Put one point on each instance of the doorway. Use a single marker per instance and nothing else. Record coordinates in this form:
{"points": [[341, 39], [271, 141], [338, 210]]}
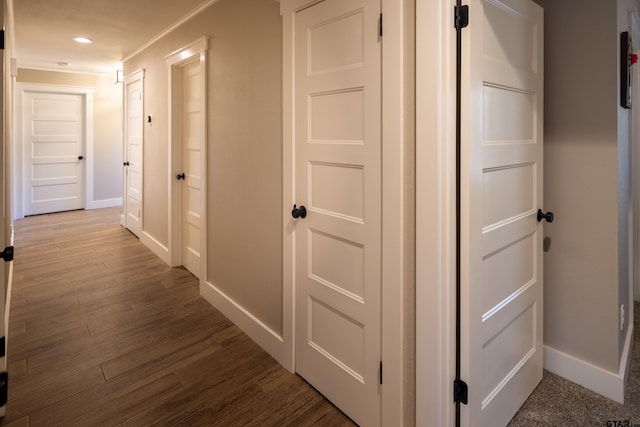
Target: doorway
{"points": [[133, 152], [55, 132], [187, 157]]}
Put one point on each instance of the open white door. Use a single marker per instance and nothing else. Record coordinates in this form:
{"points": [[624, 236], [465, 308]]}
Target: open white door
{"points": [[133, 142], [501, 183], [338, 178]]}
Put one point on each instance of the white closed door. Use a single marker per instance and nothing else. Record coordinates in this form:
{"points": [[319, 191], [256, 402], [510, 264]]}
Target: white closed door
{"points": [[53, 148], [338, 181], [192, 166], [133, 153], [502, 176]]}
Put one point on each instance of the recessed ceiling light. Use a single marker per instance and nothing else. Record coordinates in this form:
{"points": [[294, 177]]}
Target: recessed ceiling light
{"points": [[83, 40]]}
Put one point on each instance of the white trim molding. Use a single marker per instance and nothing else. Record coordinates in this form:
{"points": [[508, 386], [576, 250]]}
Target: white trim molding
{"points": [[155, 246], [435, 213], [170, 28], [257, 330], [609, 384], [104, 203]]}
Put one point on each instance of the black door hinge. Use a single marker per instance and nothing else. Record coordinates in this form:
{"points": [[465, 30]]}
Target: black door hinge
{"points": [[460, 392], [4, 379], [380, 372], [380, 26], [3, 350], [1, 39], [461, 17]]}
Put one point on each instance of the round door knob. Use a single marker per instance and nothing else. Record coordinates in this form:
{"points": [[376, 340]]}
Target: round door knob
{"points": [[80, 157], [126, 163], [180, 176], [547, 216], [300, 212]]}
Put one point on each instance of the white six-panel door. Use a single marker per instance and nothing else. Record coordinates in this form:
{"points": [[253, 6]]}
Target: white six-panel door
{"points": [[502, 136], [53, 148], [338, 180], [192, 166], [133, 152]]}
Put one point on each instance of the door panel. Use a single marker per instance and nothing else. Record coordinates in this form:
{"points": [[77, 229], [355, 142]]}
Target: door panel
{"points": [[338, 179], [501, 193], [6, 268], [192, 166], [134, 149], [53, 132]]}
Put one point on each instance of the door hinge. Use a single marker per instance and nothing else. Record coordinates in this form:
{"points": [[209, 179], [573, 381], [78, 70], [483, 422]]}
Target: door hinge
{"points": [[1, 39], [461, 17], [380, 26], [4, 378], [460, 391], [3, 350], [380, 372]]}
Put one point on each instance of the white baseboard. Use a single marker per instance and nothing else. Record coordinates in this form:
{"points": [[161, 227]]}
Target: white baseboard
{"points": [[264, 336], [601, 381], [106, 203], [156, 247]]}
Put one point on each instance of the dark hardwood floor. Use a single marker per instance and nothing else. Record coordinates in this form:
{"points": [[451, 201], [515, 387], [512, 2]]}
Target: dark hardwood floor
{"points": [[103, 333]]}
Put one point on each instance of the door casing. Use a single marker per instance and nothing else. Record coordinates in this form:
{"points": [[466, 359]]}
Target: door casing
{"points": [[435, 212]]}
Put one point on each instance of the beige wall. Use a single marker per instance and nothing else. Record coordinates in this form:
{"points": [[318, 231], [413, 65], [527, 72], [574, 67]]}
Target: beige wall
{"points": [[583, 183], [244, 148], [107, 125]]}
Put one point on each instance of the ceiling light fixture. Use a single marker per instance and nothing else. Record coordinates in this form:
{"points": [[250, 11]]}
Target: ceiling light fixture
{"points": [[83, 40]]}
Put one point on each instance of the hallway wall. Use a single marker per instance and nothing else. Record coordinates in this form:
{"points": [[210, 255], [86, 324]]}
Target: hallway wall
{"points": [[244, 238]]}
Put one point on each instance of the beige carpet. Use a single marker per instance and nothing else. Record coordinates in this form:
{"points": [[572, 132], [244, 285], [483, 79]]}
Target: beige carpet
{"points": [[558, 402]]}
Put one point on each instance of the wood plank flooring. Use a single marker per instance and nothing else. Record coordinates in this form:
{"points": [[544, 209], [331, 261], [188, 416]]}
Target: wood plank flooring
{"points": [[103, 333]]}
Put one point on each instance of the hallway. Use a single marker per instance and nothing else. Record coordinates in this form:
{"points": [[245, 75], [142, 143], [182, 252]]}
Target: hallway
{"points": [[103, 333]]}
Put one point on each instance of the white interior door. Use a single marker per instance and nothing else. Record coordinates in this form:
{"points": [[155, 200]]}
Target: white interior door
{"points": [[502, 136], [338, 178], [192, 164], [53, 146], [5, 267], [133, 152]]}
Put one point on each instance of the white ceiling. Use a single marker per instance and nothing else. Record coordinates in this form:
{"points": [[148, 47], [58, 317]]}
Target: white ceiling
{"points": [[44, 30]]}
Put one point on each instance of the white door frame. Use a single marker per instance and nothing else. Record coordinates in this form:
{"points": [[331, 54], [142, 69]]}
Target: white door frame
{"points": [[134, 77], [393, 340], [194, 51], [435, 212], [18, 152]]}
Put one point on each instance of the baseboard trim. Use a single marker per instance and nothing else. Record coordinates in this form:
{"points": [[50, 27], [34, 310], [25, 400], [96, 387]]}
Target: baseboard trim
{"points": [[156, 247], [596, 379], [264, 336], [106, 203]]}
